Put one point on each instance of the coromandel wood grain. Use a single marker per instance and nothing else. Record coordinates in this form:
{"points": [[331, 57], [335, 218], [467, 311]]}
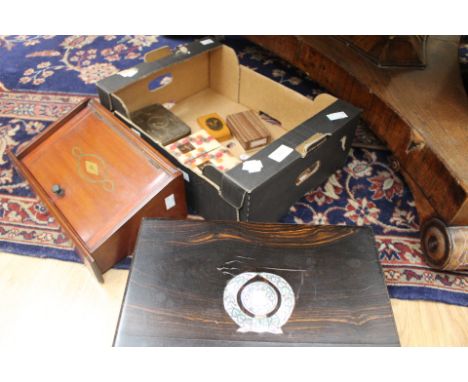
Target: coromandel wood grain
{"points": [[98, 179], [178, 292]]}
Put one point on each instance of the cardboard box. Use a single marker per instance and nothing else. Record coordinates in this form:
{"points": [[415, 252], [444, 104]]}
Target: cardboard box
{"points": [[311, 142]]}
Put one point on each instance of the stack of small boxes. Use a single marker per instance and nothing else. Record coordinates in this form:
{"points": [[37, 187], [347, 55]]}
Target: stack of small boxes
{"points": [[203, 148]]}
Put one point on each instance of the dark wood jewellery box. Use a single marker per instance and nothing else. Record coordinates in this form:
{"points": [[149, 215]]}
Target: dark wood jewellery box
{"points": [[98, 179], [310, 139], [196, 283]]}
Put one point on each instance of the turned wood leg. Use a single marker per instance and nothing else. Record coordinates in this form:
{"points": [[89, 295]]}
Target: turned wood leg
{"points": [[445, 247]]}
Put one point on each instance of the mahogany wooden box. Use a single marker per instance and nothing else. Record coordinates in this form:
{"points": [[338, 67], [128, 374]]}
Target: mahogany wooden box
{"points": [[98, 179], [196, 283]]}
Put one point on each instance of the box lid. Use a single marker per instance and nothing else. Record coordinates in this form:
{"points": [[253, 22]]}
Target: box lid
{"points": [[93, 173], [228, 283]]}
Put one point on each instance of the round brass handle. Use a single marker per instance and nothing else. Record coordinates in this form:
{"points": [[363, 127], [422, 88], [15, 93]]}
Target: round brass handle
{"points": [[58, 190]]}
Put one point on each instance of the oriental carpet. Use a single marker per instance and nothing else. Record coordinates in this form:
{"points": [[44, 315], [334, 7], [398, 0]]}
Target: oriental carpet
{"points": [[43, 77]]}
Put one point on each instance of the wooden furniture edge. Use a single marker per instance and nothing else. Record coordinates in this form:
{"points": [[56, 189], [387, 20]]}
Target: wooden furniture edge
{"points": [[290, 48], [375, 106], [43, 197], [119, 127]]}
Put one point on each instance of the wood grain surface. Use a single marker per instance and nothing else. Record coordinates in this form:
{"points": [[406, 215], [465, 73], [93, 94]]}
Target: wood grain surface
{"points": [[445, 247], [175, 290], [422, 115], [249, 130], [392, 51], [108, 177]]}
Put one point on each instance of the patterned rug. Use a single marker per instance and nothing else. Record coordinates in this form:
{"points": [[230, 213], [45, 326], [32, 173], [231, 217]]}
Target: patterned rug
{"points": [[42, 77]]}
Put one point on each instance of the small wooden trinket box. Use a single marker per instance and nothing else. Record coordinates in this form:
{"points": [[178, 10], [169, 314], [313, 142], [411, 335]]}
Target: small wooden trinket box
{"points": [[99, 180], [248, 128]]}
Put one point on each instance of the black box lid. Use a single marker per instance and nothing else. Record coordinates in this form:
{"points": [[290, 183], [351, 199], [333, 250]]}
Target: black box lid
{"points": [[222, 283]]}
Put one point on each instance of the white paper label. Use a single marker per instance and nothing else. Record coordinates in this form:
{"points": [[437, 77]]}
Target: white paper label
{"points": [[252, 166], [280, 153], [169, 105], [128, 72], [335, 116], [258, 142], [343, 142], [170, 201], [208, 41], [166, 80], [186, 176]]}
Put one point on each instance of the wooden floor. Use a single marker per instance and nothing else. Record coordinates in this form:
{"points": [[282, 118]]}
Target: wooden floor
{"points": [[58, 303]]}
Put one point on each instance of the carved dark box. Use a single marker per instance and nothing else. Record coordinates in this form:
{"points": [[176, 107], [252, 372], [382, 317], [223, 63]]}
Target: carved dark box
{"points": [[198, 283]]}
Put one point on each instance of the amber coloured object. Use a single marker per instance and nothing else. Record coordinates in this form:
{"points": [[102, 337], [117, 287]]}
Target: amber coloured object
{"points": [[99, 179]]}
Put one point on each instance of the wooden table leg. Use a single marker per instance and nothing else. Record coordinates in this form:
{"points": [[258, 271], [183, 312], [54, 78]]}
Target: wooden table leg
{"points": [[445, 247]]}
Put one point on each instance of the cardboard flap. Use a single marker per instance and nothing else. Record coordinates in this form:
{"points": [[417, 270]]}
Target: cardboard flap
{"points": [[213, 174], [232, 192], [118, 106], [124, 78]]}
